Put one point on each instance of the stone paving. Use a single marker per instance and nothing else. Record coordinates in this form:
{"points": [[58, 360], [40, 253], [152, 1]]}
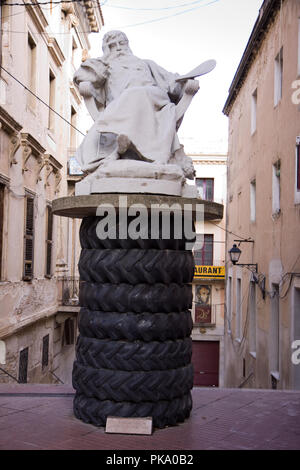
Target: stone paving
{"points": [[40, 417]]}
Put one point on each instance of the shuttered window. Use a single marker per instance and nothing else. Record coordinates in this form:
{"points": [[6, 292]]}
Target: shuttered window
{"points": [[205, 256], [23, 366], [2, 187], [49, 241], [45, 352], [298, 168], [28, 238]]}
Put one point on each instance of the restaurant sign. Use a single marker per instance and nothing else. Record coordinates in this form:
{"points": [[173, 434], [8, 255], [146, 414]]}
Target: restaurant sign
{"points": [[209, 272]]}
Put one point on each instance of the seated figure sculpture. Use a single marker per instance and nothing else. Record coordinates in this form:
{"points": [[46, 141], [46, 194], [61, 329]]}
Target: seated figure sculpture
{"points": [[137, 107]]}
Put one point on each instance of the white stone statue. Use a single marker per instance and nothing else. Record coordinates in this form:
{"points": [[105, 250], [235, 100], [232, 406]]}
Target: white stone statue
{"points": [[137, 107]]}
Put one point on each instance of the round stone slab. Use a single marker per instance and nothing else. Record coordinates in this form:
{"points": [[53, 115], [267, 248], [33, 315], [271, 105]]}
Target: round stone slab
{"points": [[84, 206]]}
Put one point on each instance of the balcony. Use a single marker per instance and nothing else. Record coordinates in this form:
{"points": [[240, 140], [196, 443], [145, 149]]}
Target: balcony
{"points": [[68, 291]]}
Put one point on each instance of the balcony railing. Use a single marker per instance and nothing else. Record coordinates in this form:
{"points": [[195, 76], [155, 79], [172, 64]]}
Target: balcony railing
{"points": [[69, 290]]}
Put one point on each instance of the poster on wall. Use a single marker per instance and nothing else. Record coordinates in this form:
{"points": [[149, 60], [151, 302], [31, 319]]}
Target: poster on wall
{"points": [[203, 304]]}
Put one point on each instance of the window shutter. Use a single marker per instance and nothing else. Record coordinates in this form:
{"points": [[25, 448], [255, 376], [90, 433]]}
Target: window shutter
{"points": [[49, 231], [2, 187], [23, 366], [298, 168], [45, 351], [28, 239]]}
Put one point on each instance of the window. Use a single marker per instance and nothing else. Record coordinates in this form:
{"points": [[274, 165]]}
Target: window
{"points": [[298, 46], [204, 257], [252, 318], [278, 77], [253, 201], [49, 241], [51, 115], [23, 366], [298, 167], [69, 332], [2, 189], [28, 238], [274, 331], [276, 188], [238, 308], [229, 303], [73, 133], [253, 111], [296, 336], [205, 188], [45, 351], [32, 70]]}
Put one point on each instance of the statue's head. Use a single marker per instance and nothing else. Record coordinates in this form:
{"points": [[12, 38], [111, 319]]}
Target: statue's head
{"points": [[115, 43]]}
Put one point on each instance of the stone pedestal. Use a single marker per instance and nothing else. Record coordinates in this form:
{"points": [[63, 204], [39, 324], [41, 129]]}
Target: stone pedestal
{"points": [[133, 354]]}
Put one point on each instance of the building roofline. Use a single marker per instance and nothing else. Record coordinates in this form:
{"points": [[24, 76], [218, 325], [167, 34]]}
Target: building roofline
{"points": [[267, 13]]}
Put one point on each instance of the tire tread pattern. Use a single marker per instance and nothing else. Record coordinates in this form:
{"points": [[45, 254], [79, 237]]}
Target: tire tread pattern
{"points": [[164, 413], [136, 386], [133, 356]]}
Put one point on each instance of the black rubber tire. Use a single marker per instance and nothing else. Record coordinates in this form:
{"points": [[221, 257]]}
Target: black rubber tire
{"points": [[90, 239], [136, 266], [136, 386], [139, 298], [134, 356], [135, 326], [163, 413]]}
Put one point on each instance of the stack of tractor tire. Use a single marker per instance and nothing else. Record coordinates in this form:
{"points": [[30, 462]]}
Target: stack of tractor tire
{"points": [[133, 353]]}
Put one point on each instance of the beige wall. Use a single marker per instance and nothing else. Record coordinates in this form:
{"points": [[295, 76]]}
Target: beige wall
{"points": [[34, 158], [276, 246]]}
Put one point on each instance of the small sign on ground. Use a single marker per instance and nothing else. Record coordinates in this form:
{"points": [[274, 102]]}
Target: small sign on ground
{"points": [[117, 425]]}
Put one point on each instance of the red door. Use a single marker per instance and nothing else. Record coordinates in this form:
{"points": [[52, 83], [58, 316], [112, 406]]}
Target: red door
{"points": [[205, 360]]}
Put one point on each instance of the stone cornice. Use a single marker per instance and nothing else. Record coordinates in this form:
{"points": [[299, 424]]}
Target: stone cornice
{"points": [[37, 16], [8, 123], [55, 51]]}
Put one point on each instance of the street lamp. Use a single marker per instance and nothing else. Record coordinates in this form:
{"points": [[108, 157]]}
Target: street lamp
{"points": [[235, 254]]}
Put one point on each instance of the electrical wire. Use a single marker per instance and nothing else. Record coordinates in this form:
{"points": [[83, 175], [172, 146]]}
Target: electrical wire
{"points": [[167, 17], [122, 27], [155, 9], [42, 101]]}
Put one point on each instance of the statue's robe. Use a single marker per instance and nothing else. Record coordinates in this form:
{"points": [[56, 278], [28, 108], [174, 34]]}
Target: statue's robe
{"points": [[134, 97]]}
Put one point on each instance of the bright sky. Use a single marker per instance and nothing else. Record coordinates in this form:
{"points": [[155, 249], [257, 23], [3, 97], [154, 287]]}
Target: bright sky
{"points": [[181, 38]]}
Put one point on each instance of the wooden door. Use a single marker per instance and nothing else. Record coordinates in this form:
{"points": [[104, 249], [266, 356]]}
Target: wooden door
{"points": [[205, 360]]}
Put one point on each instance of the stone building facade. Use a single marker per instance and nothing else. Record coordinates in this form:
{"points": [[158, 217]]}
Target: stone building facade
{"points": [[263, 211], [41, 46], [209, 281]]}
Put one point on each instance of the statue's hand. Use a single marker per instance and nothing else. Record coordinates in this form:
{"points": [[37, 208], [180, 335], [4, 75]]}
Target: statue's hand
{"points": [[192, 86], [85, 89]]}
